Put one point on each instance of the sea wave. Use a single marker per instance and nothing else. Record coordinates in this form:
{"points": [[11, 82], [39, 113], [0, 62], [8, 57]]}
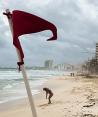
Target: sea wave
{"points": [[13, 98], [12, 85]]}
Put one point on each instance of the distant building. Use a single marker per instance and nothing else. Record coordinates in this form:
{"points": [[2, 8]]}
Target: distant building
{"points": [[97, 52], [64, 66], [48, 64]]}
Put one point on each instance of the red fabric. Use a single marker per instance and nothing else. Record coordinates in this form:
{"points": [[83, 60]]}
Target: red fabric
{"points": [[26, 23]]}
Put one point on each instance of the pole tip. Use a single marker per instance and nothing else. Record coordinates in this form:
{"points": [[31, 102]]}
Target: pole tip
{"points": [[7, 10], [7, 13]]}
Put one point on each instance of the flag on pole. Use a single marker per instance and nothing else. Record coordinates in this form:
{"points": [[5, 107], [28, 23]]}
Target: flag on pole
{"points": [[26, 23]]}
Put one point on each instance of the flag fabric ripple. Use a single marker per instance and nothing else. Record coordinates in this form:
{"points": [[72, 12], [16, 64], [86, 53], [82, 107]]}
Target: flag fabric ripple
{"points": [[26, 23]]}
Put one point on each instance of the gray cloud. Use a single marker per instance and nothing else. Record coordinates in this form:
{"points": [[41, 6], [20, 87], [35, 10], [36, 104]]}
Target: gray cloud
{"points": [[77, 23]]}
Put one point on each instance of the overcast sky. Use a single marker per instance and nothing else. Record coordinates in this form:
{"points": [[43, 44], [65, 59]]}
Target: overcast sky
{"points": [[77, 25]]}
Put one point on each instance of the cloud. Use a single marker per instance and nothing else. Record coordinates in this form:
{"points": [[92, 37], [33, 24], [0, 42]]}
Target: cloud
{"points": [[77, 24]]}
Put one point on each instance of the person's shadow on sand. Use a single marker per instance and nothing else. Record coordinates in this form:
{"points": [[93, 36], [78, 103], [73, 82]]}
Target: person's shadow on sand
{"points": [[45, 105]]}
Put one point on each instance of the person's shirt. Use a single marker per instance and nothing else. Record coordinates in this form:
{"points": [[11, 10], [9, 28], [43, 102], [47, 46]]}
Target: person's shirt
{"points": [[48, 91]]}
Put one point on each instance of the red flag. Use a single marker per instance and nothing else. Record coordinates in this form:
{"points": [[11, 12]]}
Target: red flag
{"points": [[26, 23]]}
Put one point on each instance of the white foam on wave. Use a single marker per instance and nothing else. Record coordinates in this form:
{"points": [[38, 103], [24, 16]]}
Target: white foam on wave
{"points": [[34, 92], [37, 83], [8, 86]]}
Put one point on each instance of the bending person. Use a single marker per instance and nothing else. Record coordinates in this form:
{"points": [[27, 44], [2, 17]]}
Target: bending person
{"points": [[48, 92]]}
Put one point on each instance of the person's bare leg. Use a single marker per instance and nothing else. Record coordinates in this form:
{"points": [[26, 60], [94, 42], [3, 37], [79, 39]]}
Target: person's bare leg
{"points": [[50, 98], [49, 101]]}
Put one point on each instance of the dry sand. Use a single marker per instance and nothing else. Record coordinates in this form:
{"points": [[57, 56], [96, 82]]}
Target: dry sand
{"points": [[73, 97]]}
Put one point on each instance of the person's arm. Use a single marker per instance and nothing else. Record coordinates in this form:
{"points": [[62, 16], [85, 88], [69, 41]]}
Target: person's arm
{"points": [[46, 95]]}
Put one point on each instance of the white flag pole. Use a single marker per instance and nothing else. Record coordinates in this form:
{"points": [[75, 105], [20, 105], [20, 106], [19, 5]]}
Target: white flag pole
{"points": [[22, 67]]}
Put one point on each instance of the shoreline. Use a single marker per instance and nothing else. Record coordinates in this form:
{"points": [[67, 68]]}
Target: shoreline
{"points": [[15, 102], [73, 97]]}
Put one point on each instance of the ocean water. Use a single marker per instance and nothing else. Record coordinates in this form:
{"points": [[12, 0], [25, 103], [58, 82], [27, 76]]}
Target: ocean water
{"points": [[12, 85]]}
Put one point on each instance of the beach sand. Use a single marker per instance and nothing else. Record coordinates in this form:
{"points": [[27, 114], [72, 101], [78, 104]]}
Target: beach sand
{"points": [[73, 97]]}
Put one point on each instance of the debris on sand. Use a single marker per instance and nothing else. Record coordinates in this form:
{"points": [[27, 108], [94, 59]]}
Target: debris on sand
{"points": [[88, 115], [89, 105]]}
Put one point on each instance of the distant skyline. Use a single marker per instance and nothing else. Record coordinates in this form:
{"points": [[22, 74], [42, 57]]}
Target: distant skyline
{"points": [[77, 24]]}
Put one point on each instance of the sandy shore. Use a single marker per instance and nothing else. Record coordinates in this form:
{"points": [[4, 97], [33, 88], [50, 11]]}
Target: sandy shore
{"points": [[73, 97]]}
